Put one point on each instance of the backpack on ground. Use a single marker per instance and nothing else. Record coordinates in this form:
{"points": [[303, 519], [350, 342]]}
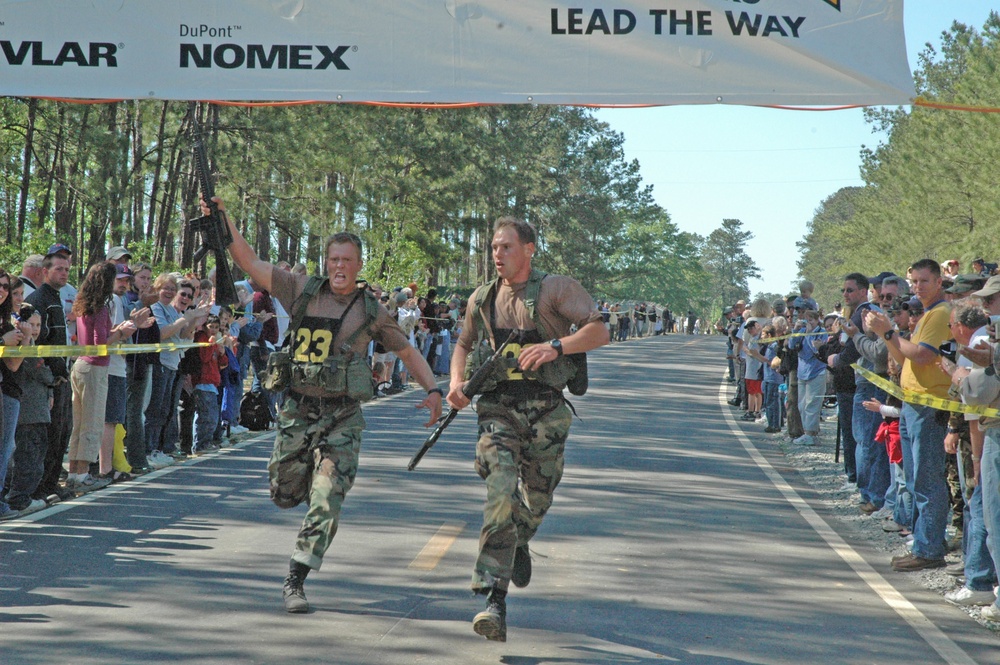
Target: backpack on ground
{"points": [[254, 413]]}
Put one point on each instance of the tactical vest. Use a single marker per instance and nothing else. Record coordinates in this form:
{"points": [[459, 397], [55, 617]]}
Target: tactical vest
{"points": [[304, 361], [565, 370]]}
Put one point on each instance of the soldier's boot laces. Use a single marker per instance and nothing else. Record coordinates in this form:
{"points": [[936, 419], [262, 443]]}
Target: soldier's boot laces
{"points": [[491, 623], [294, 595], [521, 574]]}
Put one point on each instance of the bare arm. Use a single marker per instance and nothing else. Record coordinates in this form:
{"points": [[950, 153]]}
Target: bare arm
{"points": [[247, 259], [900, 349], [587, 338], [456, 397]]}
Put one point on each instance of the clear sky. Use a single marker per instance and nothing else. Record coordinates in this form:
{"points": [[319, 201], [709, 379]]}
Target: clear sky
{"points": [[768, 168]]}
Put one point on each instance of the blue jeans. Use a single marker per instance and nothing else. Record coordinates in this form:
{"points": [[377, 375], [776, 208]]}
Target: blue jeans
{"points": [[135, 430], [871, 457], [772, 405], [845, 419], [443, 364], [990, 487], [980, 574], [924, 464], [208, 418], [11, 408], [162, 406]]}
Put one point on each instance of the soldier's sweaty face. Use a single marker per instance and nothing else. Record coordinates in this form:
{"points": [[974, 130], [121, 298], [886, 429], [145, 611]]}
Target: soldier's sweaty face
{"points": [[511, 257], [343, 265]]}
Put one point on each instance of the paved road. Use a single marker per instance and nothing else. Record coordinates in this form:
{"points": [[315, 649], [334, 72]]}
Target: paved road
{"points": [[672, 539]]}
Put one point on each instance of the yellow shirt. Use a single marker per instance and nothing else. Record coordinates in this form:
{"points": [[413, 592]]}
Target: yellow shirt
{"points": [[931, 332]]}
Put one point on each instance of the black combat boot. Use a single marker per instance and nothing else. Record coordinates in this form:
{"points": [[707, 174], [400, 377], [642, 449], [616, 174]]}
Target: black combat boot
{"points": [[491, 623], [293, 594], [522, 566]]}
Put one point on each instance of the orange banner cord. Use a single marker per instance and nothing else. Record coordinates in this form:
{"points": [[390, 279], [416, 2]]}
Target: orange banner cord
{"points": [[919, 101]]}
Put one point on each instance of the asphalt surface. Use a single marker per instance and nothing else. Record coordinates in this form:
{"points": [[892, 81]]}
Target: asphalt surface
{"points": [[673, 539]]}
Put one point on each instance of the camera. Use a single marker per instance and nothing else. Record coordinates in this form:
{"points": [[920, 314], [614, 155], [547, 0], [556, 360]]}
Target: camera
{"points": [[992, 327], [949, 350]]}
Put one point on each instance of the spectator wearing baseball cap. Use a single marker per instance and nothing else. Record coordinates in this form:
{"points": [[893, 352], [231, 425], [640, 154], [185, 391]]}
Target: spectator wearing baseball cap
{"points": [[119, 254], [964, 285], [876, 282], [991, 288], [950, 268], [59, 248]]}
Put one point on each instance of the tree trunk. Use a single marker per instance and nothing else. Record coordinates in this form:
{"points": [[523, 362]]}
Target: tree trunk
{"points": [[22, 204]]}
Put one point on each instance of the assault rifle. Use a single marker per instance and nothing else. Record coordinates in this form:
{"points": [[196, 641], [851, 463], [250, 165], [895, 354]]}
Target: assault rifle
{"points": [[471, 389], [215, 235]]}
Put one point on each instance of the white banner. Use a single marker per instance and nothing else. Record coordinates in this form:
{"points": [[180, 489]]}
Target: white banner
{"points": [[795, 52]]}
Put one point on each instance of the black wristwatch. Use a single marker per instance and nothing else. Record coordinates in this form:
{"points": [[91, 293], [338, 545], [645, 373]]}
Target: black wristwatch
{"points": [[439, 391], [557, 345], [888, 335]]}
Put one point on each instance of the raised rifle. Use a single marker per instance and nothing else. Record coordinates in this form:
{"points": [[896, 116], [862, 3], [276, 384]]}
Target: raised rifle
{"points": [[215, 235], [471, 389]]}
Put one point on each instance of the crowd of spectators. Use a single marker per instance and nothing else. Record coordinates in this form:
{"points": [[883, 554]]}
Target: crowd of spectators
{"points": [[72, 424], [927, 472], [627, 321]]}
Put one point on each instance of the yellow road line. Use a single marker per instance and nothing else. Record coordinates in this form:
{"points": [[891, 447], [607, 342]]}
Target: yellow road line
{"points": [[437, 547]]}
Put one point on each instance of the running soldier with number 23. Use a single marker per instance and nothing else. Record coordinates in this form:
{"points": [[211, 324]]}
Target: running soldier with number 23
{"points": [[523, 417], [324, 367]]}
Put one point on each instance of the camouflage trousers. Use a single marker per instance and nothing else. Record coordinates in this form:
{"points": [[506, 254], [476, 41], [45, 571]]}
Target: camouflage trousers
{"points": [[520, 456], [315, 458]]}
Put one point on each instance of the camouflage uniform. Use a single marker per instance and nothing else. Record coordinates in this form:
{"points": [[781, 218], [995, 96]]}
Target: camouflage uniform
{"points": [[316, 457], [520, 455]]}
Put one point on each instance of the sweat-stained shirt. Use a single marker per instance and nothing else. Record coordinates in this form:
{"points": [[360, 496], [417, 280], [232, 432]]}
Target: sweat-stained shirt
{"points": [[562, 302], [313, 341]]}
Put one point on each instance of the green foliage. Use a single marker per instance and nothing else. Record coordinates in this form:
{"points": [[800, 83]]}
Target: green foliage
{"points": [[931, 189], [421, 187], [724, 258]]}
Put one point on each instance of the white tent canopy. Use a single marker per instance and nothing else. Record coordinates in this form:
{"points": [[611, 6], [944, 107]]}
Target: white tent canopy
{"points": [[762, 52]]}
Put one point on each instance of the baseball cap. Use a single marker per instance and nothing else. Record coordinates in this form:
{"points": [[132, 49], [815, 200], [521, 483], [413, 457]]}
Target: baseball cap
{"points": [[117, 253], [59, 248], [401, 298], [915, 306], [966, 283], [879, 278], [801, 303], [124, 271], [991, 287]]}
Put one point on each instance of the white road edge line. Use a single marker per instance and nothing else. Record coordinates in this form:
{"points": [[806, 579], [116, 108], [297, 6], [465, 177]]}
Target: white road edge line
{"points": [[83, 499], [934, 636]]}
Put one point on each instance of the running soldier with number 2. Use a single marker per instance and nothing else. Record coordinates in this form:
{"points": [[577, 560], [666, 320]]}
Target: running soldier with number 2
{"points": [[523, 417]]}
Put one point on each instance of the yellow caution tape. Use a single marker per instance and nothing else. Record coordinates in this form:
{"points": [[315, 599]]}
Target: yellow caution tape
{"points": [[59, 351], [923, 399], [790, 335]]}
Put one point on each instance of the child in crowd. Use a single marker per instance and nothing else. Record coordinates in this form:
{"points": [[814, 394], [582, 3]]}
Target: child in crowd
{"points": [[772, 379], [206, 382], [755, 370], [230, 375], [35, 380]]}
